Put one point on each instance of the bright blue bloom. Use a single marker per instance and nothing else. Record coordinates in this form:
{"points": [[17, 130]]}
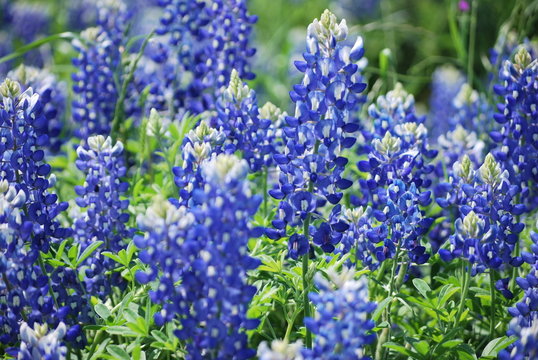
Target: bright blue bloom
{"points": [[209, 40], [326, 101], [248, 129], [341, 325], [29, 20], [524, 325], [27, 213], [98, 64], [399, 147], [446, 84], [105, 215], [517, 132], [52, 94], [486, 227], [199, 257], [39, 343]]}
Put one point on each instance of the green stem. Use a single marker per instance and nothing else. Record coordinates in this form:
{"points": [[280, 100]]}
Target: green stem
{"points": [[466, 282], [492, 292], [472, 42], [119, 112], [51, 292], [385, 334]]}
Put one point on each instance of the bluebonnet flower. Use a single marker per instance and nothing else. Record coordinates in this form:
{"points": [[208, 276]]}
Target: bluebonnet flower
{"points": [[27, 211], [204, 247], [93, 84], [248, 129], [341, 323], [399, 148], [209, 39], [310, 161], [40, 343], [524, 324], [446, 84], [517, 134], [29, 20], [106, 213], [486, 227], [200, 144], [460, 141], [98, 64], [52, 94], [472, 110], [280, 350]]}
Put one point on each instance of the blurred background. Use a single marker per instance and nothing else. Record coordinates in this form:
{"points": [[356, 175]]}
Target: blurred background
{"points": [[419, 34]]}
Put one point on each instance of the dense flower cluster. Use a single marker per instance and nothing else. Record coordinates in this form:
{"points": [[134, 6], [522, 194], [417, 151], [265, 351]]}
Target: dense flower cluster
{"points": [[399, 147], [105, 215], [525, 322], [398, 167], [518, 134], [27, 211], [98, 63], [486, 227], [200, 144], [446, 84], [247, 128], [206, 40], [311, 164], [52, 94], [39, 343], [341, 323], [205, 247]]}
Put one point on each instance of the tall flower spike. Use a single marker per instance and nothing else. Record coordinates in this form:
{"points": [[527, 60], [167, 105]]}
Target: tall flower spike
{"points": [[98, 64], [209, 39], [517, 132], [39, 343], [103, 215], [27, 210], [52, 94], [446, 83], [485, 205], [326, 101], [341, 323], [199, 257], [246, 131]]}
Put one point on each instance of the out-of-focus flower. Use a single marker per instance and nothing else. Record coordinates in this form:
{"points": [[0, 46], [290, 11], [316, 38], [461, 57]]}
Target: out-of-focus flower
{"points": [[39, 343]]}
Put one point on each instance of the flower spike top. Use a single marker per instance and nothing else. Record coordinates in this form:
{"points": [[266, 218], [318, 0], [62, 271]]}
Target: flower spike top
{"points": [[39, 343], [311, 162]]}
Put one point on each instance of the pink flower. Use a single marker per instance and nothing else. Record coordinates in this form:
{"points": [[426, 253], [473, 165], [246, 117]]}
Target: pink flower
{"points": [[463, 5]]}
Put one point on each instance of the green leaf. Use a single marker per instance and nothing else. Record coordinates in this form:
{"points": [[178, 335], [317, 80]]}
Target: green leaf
{"points": [[465, 352], [24, 49], [382, 305], [401, 349], [451, 343], [130, 315], [102, 311], [496, 345], [121, 330], [112, 256], [159, 336], [61, 249], [422, 347], [118, 352], [422, 287], [88, 251]]}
